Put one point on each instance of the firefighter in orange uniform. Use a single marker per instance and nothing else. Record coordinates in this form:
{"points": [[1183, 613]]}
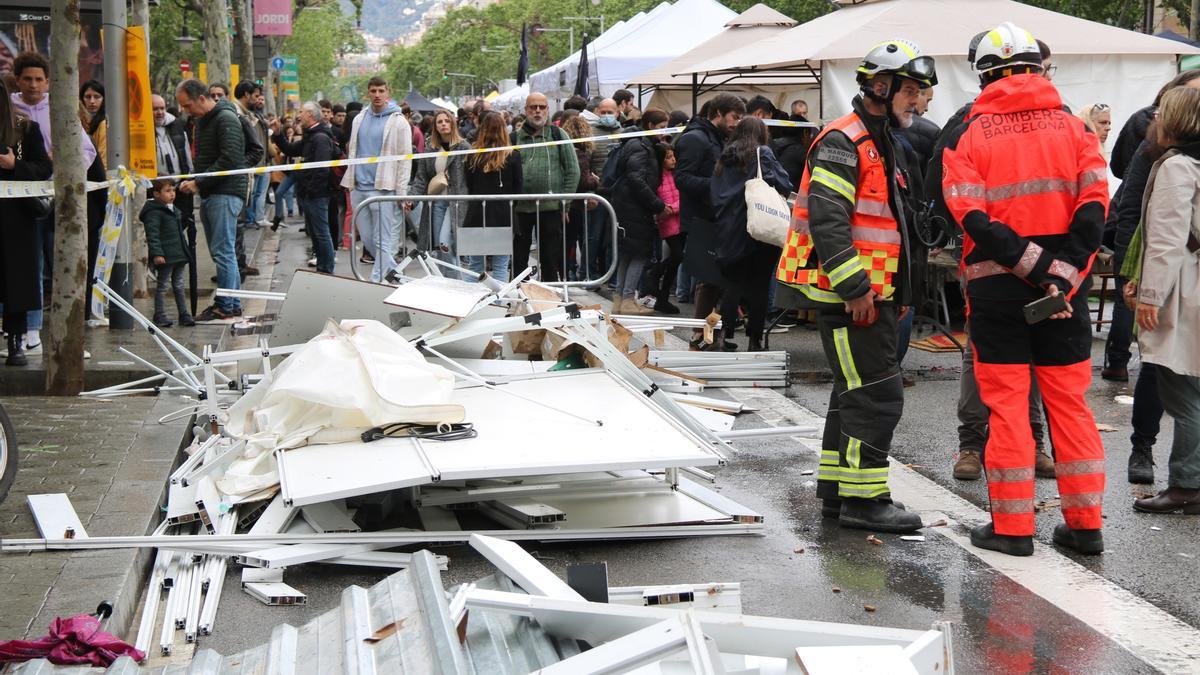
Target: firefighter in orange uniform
{"points": [[1029, 186], [847, 254]]}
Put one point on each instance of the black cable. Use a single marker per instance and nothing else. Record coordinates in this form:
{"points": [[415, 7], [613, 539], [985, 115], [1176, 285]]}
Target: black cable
{"points": [[428, 432]]}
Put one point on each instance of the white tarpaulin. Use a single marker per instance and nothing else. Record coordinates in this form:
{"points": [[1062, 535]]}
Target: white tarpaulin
{"points": [[642, 42], [1096, 63], [344, 381]]}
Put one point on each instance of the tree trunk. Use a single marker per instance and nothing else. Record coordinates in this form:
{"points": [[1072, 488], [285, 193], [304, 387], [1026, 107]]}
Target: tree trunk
{"points": [[1194, 21], [139, 15], [64, 339], [274, 86], [216, 41], [242, 16]]}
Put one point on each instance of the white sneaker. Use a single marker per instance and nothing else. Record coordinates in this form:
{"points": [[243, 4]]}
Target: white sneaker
{"points": [[33, 341], [87, 354]]}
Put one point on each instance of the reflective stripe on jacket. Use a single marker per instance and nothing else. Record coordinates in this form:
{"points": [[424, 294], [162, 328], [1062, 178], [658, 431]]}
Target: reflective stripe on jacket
{"points": [[873, 229]]}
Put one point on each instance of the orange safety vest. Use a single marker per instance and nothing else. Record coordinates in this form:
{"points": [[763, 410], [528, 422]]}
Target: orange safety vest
{"points": [[873, 226]]}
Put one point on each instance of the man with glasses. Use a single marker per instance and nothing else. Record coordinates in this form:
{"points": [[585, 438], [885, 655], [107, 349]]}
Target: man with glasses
{"points": [[545, 170], [848, 256]]}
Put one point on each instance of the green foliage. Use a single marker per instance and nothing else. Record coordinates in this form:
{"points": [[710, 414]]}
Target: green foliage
{"points": [[1122, 13], [166, 24], [455, 43], [320, 33]]}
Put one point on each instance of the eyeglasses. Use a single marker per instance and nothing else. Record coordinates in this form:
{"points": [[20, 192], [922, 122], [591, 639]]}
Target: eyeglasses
{"points": [[1050, 71], [1100, 107], [537, 107]]}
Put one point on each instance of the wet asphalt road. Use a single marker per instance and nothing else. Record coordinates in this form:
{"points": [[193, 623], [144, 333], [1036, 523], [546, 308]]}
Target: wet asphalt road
{"points": [[999, 626]]}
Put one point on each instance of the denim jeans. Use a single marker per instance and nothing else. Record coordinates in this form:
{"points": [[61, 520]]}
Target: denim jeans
{"points": [[906, 326], [684, 284], [629, 274], [1147, 407], [286, 193], [170, 278], [442, 233], [316, 221], [253, 211], [500, 263], [218, 215], [1180, 395], [1120, 332], [377, 228]]}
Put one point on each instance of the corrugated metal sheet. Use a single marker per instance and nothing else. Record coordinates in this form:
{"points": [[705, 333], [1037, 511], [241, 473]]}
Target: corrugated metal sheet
{"points": [[401, 625]]}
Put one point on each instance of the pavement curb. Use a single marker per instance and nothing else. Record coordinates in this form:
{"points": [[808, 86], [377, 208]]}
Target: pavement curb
{"points": [[131, 506]]}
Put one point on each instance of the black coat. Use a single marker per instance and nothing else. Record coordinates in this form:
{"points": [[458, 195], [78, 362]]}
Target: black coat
{"points": [[635, 196], [696, 153], [317, 145], [507, 181], [792, 153], [729, 202], [1129, 206], [20, 247], [1129, 140], [922, 136]]}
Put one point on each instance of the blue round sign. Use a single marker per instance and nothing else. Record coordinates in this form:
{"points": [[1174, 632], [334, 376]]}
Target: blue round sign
{"points": [[277, 63]]}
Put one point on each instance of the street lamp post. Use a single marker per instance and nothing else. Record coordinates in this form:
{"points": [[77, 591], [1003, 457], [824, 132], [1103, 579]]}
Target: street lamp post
{"points": [[587, 18]]}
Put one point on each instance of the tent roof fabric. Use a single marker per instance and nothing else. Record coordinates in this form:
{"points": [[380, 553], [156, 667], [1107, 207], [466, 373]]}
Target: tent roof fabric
{"points": [[940, 27], [419, 103], [730, 39], [760, 15]]}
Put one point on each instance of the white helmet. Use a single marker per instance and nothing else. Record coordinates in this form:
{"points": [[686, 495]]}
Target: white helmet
{"points": [[1005, 46]]}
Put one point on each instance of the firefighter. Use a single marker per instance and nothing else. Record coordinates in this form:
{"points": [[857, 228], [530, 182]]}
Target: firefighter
{"points": [[847, 254], [1029, 186]]}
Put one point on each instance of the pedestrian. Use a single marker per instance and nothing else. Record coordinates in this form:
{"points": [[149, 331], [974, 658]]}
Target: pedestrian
{"points": [[33, 101], [380, 130], [1169, 283], [218, 91], [173, 149], [603, 122], [548, 170], [746, 264], [313, 186], [662, 275], [972, 413], [847, 257], [91, 98], [167, 253], [580, 211], [442, 176], [1097, 118], [696, 151], [285, 193], [219, 146], [252, 215], [22, 157], [1032, 201], [1134, 131], [636, 201], [623, 98], [492, 172]]}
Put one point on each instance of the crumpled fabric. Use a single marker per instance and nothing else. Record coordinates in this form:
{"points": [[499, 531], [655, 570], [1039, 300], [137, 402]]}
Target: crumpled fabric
{"points": [[77, 641], [349, 378]]}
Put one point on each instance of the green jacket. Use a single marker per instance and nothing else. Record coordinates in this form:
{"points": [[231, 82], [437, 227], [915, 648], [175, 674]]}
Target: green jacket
{"points": [[549, 170], [164, 235], [220, 146]]}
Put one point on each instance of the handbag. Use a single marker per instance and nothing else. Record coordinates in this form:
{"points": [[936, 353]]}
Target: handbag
{"points": [[767, 217], [39, 207], [437, 184]]}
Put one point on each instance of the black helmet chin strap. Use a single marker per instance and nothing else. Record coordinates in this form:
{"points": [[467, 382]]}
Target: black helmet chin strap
{"points": [[885, 101]]}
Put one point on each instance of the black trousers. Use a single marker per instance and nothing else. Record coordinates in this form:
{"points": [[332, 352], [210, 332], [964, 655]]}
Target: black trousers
{"points": [[665, 270], [864, 406], [548, 227], [749, 284], [337, 215]]}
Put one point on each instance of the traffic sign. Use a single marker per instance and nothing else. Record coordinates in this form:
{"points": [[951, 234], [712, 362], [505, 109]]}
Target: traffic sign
{"points": [[185, 65], [277, 63]]}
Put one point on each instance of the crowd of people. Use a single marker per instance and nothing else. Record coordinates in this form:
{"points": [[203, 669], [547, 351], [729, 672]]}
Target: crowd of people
{"points": [[1030, 204]]}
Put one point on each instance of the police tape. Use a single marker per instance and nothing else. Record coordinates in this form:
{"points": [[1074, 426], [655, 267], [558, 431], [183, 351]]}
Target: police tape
{"points": [[19, 189]]}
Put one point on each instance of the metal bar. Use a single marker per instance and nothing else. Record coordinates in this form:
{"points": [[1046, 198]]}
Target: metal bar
{"points": [[633, 651], [522, 568], [382, 539], [329, 516], [249, 294], [766, 432], [179, 368], [431, 596], [154, 593], [217, 464], [276, 594]]}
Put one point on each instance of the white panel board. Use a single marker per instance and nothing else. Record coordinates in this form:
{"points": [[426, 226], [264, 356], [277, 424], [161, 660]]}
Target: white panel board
{"points": [[439, 295], [55, 516], [633, 509], [319, 473], [314, 298]]}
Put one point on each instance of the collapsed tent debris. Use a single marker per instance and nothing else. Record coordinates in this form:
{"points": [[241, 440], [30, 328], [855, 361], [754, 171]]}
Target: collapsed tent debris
{"points": [[524, 618]]}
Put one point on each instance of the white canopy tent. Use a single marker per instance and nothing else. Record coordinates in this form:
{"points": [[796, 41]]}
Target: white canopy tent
{"points": [[513, 99], [644, 41], [1096, 63], [672, 91]]}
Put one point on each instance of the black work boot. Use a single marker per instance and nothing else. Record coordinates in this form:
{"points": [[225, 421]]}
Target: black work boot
{"points": [[878, 515], [832, 507], [1087, 542], [1141, 465], [985, 536], [16, 350]]}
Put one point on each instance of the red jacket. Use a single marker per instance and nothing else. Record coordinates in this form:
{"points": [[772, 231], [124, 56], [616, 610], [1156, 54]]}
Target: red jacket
{"points": [[1029, 185]]}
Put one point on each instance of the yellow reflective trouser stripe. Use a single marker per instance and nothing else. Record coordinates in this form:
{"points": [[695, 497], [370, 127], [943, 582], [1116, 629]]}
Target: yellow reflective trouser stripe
{"points": [[845, 271], [849, 476], [841, 342], [867, 491], [853, 452], [828, 468], [818, 294], [834, 182]]}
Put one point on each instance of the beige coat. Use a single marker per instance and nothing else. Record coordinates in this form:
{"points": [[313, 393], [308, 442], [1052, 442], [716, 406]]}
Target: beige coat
{"points": [[1170, 273]]}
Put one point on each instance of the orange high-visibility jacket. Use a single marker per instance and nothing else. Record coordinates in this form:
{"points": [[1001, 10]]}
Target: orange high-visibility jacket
{"points": [[874, 232], [1030, 187]]}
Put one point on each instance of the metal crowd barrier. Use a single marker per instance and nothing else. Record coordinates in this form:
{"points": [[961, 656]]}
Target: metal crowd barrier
{"points": [[493, 240]]}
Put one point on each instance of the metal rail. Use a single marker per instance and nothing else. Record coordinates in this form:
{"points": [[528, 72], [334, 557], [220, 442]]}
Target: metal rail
{"points": [[563, 198]]}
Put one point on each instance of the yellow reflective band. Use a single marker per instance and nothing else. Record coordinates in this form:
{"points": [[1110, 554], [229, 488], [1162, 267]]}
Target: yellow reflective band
{"points": [[818, 294], [841, 342], [996, 38], [854, 453], [834, 182], [826, 454], [845, 271], [862, 491], [862, 475], [854, 480]]}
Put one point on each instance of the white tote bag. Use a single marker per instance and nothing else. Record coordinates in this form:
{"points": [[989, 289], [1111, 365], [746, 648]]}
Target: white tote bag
{"points": [[767, 215]]}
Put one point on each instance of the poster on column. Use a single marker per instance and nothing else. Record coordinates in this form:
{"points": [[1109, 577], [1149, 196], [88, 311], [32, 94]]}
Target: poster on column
{"points": [[142, 157], [272, 17]]}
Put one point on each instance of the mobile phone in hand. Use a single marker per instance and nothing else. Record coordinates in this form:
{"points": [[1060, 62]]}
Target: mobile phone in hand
{"points": [[1044, 308], [3, 149]]}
